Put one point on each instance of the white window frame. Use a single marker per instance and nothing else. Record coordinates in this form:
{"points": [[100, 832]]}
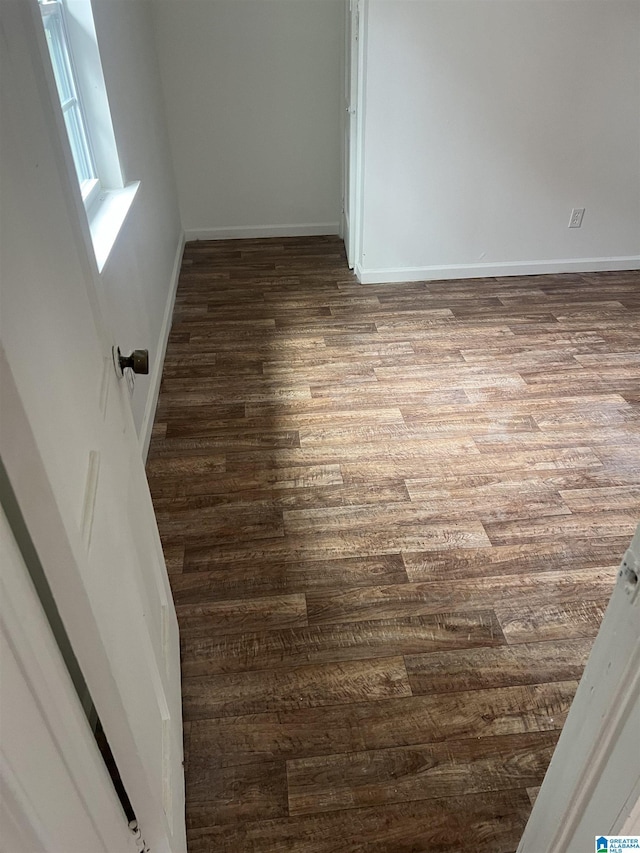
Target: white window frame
{"points": [[73, 110], [92, 156]]}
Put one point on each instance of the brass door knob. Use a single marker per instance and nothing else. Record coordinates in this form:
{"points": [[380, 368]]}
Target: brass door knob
{"points": [[138, 361]]}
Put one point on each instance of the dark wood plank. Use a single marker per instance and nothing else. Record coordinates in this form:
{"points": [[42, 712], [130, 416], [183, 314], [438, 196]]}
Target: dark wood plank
{"points": [[603, 499], [227, 795], [205, 580], [241, 615], [423, 470], [284, 689], [421, 599], [220, 523], [496, 501], [523, 622], [548, 439], [283, 497], [229, 439], [420, 772], [210, 654], [185, 465], [335, 544], [466, 420], [419, 515], [576, 525], [286, 477], [380, 724], [553, 556], [475, 669], [483, 823], [386, 449]]}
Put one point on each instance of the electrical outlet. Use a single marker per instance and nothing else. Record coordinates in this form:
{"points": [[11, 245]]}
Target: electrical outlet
{"points": [[576, 217]]}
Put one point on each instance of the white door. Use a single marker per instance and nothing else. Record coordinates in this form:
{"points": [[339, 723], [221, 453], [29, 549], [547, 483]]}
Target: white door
{"points": [[349, 211], [592, 786], [70, 449], [55, 792]]}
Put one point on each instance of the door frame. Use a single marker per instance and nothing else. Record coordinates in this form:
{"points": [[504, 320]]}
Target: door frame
{"points": [[353, 105]]}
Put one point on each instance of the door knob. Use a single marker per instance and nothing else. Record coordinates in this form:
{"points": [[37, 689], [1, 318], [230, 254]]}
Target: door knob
{"points": [[138, 361]]}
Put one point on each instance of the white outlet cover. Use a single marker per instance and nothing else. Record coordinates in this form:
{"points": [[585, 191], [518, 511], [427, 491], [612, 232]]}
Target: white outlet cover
{"points": [[575, 220]]}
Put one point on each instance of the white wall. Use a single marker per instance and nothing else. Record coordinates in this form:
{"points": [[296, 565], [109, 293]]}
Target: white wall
{"points": [[139, 275], [253, 93], [486, 122]]}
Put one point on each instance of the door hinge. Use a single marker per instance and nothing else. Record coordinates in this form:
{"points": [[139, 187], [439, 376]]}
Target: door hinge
{"points": [[134, 829]]}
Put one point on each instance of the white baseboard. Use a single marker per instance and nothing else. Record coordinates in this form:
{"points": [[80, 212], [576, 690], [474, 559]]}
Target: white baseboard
{"points": [[247, 232], [161, 349], [452, 271]]}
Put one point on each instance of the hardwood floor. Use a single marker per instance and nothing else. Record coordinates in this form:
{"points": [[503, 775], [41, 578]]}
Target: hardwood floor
{"points": [[392, 517]]}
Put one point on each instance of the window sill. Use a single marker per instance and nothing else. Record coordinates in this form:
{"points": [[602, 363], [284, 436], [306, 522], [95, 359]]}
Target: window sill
{"points": [[106, 218]]}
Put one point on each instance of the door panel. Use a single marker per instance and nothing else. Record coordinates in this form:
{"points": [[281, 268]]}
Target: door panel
{"points": [[55, 791], [71, 428]]}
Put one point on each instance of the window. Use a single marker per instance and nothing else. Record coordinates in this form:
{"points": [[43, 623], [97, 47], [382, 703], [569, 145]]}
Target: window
{"points": [[55, 27], [77, 82]]}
